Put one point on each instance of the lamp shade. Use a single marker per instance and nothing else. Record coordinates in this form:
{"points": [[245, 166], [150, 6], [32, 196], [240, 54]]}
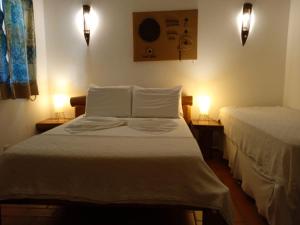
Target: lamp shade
{"points": [[60, 101], [86, 23], [204, 103]]}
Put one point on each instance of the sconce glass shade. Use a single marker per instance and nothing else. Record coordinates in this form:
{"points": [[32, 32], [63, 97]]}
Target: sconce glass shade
{"points": [[86, 23], [246, 22]]}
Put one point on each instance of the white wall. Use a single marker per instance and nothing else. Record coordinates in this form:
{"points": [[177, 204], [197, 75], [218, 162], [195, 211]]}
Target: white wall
{"points": [[292, 79], [18, 117], [229, 73]]}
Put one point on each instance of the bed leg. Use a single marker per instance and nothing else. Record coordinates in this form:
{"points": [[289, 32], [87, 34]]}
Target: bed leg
{"points": [[0, 215], [212, 217]]}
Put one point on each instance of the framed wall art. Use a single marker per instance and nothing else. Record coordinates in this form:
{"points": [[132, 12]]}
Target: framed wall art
{"points": [[165, 35]]}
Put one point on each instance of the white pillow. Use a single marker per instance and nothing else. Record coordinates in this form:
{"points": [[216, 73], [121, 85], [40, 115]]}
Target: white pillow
{"points": [[156, 102], [109, 101]]}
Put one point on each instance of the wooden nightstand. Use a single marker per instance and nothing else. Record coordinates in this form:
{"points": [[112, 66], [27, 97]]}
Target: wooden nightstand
{"points": [[50, 123], [204, 131]]}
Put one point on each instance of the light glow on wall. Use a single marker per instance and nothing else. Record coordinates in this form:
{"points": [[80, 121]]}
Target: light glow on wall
{"points": [[92, 20], [61, 85]]}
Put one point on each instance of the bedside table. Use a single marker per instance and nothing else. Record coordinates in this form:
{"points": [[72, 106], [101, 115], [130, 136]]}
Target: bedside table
{"points": [[50, 123], [204, 131]]}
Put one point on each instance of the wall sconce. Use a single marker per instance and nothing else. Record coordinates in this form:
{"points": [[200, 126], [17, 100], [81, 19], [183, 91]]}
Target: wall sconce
{"points": [[204, 103], [246, 21], [86, 23]]}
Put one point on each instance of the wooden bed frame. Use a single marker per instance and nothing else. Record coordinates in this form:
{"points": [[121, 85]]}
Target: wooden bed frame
{"points": [[210, 217], [187, 101]]}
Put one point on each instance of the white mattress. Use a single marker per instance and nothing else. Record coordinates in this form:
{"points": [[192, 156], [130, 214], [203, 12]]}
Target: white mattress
{"points": [[112, 166], [270, 138]]}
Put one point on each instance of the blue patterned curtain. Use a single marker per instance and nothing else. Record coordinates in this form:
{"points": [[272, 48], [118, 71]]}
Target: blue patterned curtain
{"points": [[18, 51]]}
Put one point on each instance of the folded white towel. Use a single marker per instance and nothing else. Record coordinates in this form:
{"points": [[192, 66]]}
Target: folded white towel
{"points": [[94, 123], [153, 125]]}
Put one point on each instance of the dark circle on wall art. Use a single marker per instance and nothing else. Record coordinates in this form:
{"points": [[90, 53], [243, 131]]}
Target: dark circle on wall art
{"points": [[149, 30]]}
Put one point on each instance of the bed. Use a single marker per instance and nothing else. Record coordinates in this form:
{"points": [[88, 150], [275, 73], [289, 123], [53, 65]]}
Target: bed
{"points": [[262, 145], [125, 164]]}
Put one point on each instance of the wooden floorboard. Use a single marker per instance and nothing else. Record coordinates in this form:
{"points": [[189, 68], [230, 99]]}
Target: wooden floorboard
{"points": [[23, 215], [245, 211]]}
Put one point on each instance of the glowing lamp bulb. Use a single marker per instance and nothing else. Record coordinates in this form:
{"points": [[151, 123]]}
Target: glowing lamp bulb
{"points": [[246, 21], [87, 20]]}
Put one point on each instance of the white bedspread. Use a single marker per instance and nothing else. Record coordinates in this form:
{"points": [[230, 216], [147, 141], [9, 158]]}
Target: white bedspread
{"points": [[270, 136], [110, 166]]}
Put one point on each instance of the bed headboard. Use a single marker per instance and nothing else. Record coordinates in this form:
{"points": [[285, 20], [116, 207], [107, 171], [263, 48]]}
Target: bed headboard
{"points": [[79, 104]]}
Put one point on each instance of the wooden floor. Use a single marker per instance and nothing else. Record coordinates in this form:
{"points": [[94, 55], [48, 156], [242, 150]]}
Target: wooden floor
{"points": [[245, 211], [244, 207]]}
